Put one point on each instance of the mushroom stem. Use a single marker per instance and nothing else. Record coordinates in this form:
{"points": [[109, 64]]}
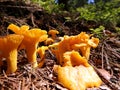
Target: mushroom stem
{"points": [[31, 54], [11, 61]]}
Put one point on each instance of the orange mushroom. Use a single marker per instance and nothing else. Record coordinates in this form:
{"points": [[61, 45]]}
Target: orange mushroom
{"points": [[48, 41], [85, 47], [41, 52], [53, 33], [73, 58], [80, 42], [72, 53], [78, 77], [30, 42], [18, 30], [8, 48]]}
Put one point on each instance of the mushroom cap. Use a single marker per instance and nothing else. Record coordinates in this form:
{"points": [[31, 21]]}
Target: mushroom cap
{"points": [[80, 38], [14, 28], [35, 35], [51, 32], [48, 41], [18, 30], [10, 41], [93, 42]]}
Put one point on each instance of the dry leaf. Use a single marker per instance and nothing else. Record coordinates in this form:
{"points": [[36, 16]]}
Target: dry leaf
{"points": [[105, 74]]}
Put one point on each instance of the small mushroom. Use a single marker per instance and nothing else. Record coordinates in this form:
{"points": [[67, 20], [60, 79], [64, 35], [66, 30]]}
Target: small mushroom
{"points": [[53, 34], [48, 41], [41, 52], [8, 48]]}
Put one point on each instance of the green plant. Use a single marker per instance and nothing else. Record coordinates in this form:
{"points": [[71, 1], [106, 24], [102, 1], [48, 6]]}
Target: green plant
{"points": [[86, 13], [104, 13], [118, 30], [98, 31], [49, 5]]}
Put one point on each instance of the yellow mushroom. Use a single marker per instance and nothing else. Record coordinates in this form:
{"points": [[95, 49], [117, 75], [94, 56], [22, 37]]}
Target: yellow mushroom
{"points": [[78, 77], [73, 58], [85, 47], [30, 42], [41, 52], [80, 42], [18, 30], [72, 53], [48, 41], [60, 48], [8, 49], [53, 33]]}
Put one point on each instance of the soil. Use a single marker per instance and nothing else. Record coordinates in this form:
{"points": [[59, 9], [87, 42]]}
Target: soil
{"points": [[105, 58]]}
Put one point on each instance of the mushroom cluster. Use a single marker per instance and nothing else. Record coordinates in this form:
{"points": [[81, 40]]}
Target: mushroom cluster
{"points": [[72, 53], [81, 42], [31, 40], [22, 39]]}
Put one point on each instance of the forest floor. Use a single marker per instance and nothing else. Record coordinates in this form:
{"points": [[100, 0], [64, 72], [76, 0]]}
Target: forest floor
{"points": [[105, 58]]}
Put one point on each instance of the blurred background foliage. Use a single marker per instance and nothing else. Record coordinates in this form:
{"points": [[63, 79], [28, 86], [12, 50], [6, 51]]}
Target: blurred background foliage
{"points": [[103, 12]]}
